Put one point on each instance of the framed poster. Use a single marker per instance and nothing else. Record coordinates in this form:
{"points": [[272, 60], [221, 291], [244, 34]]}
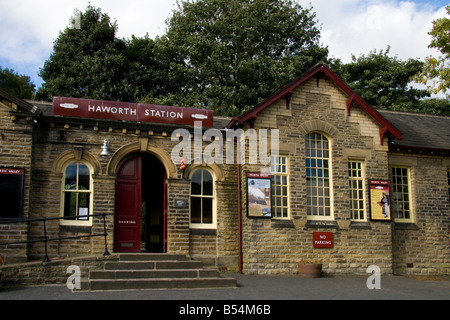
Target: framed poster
{"points": [[11, 193], [380, 200], [259, 195]]}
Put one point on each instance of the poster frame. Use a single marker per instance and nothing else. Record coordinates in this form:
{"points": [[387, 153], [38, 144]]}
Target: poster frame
{"points": [[264, 179], [374, 187]]}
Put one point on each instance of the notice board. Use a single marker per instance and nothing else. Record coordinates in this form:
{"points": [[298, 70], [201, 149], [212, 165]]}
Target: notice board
{"points": [[11, 193]]}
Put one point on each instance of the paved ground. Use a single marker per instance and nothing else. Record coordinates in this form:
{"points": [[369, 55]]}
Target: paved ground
{"points": [[262, 288]]}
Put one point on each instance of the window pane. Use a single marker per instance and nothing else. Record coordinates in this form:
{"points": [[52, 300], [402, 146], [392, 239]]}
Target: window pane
{"points": [[196, 210], [83, 205], [71, 177], [83, 199], [207, 183], [70, 205], [196, 184], [83, 177], [207, 210]]}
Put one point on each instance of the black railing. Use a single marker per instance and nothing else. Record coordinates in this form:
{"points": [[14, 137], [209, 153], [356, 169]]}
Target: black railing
{"points": [[46, 240]]}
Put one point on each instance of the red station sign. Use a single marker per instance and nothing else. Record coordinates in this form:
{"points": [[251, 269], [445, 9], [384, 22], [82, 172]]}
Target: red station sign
{"points": [[11, 171], [126, 111], [323, 240]]}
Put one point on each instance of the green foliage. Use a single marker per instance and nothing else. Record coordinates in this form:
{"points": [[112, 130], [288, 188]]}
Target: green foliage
{"points": [[19, 85], [228, 55], [384, 81], [91, 62], [225, 55], [437, 70]]}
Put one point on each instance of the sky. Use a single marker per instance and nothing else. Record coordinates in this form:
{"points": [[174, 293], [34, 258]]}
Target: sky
{"points": [[28, 28]]}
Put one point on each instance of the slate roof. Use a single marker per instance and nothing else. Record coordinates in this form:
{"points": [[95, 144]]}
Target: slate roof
{"points": [[420, 131]]}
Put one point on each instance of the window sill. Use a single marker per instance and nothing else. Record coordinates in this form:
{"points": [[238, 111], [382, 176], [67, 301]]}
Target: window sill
{"points": [[282, 223], [203, 232], [405, 226], [321, 224], [74, 228], [360, 225]]}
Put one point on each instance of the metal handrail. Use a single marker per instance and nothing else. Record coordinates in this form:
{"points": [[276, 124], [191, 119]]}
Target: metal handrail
{"points": [[46, 239]]}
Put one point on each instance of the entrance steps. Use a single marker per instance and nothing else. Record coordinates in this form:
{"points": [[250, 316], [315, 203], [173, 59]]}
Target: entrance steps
{"points": [[138, 271]]}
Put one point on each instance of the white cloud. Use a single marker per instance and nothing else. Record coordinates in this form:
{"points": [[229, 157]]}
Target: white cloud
{"points": [[358, 27], [28, 28]]}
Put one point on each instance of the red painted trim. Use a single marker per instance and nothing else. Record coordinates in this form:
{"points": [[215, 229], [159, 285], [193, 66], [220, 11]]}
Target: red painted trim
{"points": [[320, 68], [349, 106]]}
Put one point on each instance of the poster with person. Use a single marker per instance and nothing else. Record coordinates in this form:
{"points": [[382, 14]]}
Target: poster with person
{"points": [[380, 200]]}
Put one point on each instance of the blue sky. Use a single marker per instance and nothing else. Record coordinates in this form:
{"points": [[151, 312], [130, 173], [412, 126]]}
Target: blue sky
{"points": [[28, 27]]}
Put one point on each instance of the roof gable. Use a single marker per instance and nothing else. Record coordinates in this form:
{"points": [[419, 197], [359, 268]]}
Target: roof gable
{"points": [[319, 69]]}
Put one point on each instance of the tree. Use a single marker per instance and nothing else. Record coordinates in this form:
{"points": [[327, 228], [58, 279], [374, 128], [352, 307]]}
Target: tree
{"points": [[384, 81], [89, 61], [228, 55], [19, 85], [437, 70]]}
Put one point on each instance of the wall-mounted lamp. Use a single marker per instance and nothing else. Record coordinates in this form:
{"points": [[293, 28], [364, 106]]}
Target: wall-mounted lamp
{"points": [[105, 151]]}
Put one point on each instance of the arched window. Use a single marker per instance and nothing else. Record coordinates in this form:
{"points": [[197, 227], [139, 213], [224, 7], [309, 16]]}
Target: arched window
{"points": [[202, 211], [318, 185], [77, 194]]}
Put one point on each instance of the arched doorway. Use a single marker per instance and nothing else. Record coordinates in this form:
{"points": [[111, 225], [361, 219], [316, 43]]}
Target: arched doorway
{"points": [[141, 205]]}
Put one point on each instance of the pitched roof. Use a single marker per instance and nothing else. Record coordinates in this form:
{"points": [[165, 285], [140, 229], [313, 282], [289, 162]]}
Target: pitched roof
{"points": [[420, 131], [319, 69]]}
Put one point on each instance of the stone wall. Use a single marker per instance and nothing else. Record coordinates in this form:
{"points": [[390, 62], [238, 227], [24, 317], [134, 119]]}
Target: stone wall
{"points": [[61, 142], [50, 273], [422, 246], [16, 151], [276, 246]]}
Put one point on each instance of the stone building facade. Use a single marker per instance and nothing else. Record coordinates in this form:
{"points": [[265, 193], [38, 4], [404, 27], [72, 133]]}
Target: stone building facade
{"points": [[332, 154]]}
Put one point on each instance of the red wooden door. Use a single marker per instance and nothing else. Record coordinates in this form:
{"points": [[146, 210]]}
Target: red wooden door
{"points": [[127, 225]]}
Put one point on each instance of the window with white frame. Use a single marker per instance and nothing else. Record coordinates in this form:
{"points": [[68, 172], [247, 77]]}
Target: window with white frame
{"points": [[401, 194], [318, 183], [77, 194], [280, 187], [357, 190], [202, 212]]}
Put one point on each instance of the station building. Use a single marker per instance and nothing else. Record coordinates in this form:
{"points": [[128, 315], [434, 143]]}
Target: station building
{"points": [[317, 175]]}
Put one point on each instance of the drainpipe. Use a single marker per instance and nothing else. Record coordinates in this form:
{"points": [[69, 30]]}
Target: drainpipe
{"points": [[239, 203]]}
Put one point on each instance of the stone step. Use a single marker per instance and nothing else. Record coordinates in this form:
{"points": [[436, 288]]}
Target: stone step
{"points": [[160, 283], [154, 271], [151, 265], [152, 274], [151, 257]]}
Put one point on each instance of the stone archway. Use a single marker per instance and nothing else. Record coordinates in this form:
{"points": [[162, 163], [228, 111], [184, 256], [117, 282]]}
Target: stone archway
{"points": [[142, 146]]}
